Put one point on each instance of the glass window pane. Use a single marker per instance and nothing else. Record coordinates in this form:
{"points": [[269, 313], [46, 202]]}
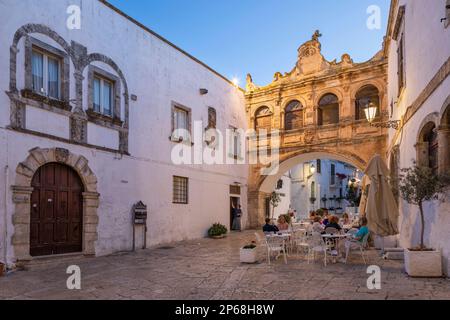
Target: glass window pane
{"points": [[37, 71], [53, 78], [181, 123], [107, 98], [96, 95], [180, 190]]}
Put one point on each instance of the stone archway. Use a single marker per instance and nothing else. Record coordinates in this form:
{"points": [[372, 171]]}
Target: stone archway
{"points": [[260, 186], [22, 190]]}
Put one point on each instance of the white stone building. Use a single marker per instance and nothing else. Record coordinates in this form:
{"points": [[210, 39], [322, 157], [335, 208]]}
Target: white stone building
{"points": [[418, 50], [86, 124], [318, 179]]}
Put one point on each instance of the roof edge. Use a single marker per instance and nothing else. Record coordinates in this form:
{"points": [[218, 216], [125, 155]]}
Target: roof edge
{"points": [[147, 29]]}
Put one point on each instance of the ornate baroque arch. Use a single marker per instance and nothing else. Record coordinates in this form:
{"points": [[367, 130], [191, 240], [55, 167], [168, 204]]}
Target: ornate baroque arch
{"points": [[258, 186], [22, 191]]}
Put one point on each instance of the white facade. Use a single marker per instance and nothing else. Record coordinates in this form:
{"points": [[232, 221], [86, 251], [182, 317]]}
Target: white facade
{"points": [[159, 75], [424, 99], [300, 184]]}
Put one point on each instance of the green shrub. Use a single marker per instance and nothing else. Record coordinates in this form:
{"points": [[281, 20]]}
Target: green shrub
{"points": [[217, 230]]}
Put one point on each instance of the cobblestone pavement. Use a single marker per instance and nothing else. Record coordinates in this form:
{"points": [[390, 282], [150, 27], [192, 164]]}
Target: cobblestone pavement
{"points": [[210, 269]]}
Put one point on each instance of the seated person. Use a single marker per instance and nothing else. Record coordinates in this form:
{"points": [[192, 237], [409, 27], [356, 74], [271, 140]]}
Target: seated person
{"points": [[363, 231], [326, 219], [312, 215], [333, 223], [282, 224], [345, 220], [317, 226], [269, 227]]}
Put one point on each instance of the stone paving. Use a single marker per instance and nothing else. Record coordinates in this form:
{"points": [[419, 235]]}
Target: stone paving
{"points": [[210, 269]]}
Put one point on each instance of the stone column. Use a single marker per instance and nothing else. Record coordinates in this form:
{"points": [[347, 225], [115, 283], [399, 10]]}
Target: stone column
{"points": [[78, 119], [90, 221], [21, 222], [256, 208], [444, 149]]}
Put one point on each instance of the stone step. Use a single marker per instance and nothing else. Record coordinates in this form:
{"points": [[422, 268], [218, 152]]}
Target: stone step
{"points": [[46, 261]]}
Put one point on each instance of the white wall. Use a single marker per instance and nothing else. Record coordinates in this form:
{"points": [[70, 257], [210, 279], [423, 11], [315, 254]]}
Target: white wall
{"points": [[284, 205], [157, 74], [427, 47], [301, 185]]}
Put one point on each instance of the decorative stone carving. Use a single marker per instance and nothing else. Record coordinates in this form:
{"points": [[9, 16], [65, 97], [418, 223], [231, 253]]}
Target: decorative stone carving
{"points": [[250, 86], [78, 128], [312, 79], [78, 55], [61, 155]]}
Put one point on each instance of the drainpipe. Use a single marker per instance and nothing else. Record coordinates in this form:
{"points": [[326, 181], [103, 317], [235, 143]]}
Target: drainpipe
{"points": [[5, 221]]}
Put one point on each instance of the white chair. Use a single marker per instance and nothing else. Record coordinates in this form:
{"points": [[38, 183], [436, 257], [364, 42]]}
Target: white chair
{"points": [[277, 245], [260, 240], [353, 244], [300, 240], [317, 245]]}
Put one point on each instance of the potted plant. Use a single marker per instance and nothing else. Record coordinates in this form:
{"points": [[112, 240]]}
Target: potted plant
{"points": [[248, 253], [217, 231], [418, 185], [2, 269]]}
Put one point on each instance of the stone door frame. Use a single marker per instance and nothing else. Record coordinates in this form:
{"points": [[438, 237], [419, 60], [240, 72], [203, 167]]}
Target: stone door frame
{"points": [[21, 197]]}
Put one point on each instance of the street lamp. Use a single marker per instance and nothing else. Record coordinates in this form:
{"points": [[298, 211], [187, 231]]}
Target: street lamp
{"points": [[371, 113]]}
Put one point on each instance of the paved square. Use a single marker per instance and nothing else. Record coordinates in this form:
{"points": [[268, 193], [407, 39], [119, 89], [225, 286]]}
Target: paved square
{"points": [[210, 269]]}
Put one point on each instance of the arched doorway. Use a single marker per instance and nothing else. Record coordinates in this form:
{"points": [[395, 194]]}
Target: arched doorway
{"points": [[56, 213], [23, 194]]}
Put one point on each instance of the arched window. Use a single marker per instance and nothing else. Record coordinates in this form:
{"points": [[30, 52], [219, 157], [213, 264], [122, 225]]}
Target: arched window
{"points": [[427, 147], [263, 119], [364, 96], [293, 116], [328, 110]]}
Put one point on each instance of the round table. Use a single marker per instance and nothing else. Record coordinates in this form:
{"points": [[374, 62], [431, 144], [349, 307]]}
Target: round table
{"points": [[337, 238]]}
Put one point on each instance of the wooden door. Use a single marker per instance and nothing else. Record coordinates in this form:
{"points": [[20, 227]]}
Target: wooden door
{"points": [[56, 211]]}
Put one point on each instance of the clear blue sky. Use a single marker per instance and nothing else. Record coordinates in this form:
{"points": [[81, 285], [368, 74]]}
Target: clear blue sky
{"points": [[261, 37]]}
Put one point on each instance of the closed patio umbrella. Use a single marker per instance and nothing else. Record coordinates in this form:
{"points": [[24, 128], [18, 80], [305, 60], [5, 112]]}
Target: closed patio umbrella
{"points": [[365, 183], [380, 207]]}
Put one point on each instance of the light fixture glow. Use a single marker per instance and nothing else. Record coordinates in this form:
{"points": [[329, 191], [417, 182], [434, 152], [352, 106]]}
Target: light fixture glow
{"points": [[312, 169], [370, 111]]}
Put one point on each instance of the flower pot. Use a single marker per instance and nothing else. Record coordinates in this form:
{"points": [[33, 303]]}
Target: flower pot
{"points": [[2, 269], [219, 237], [423, 263], [248, 255]]}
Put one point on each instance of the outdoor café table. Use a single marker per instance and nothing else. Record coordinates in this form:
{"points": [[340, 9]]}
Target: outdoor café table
{"points": [[347, 226], [337, 238]]}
